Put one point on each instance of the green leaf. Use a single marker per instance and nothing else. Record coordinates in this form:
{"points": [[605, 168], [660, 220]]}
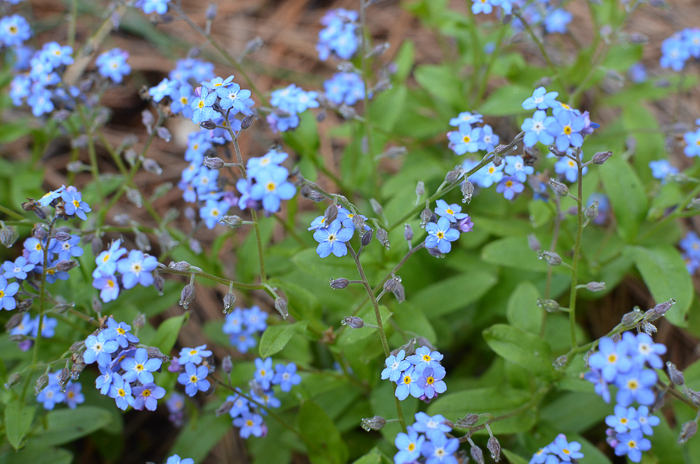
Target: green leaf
{"points": [[276, 337], [454, 293], [373, 457], [439, 81], [513, 252], [67, 425], [388, 107], [404, 60], [505, 101], [513, 458], [20, 416], [522, 348], [664, 272], [627, 195], [201, 435], [9, 132], [523, 311], [575, 411], [323, 442], [325, 268], [39, 455], [167, 333]]}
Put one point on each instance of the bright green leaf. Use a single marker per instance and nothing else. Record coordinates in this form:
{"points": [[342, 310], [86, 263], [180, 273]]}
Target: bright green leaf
{"points": [[67, 425], [323, 442], [20, 416], [167, 333], [276, 337], [523, 311], [513, 252], [513, 458], [454, 293], [522, 348], [627, 195]]}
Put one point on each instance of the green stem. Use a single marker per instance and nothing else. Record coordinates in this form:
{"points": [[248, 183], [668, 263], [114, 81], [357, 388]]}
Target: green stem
{"points": [[678, 212], [577, 247], [9, 212], [213, 278], [72, 21], [365, 71]]}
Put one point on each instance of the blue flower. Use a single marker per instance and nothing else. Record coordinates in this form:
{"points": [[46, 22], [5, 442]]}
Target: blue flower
{"points": [[218, 83], [264, 372], [637, 73], [482, 6], [175, 459], [451, 212], [53, 274], [240, 406], [565, 450], [440, 235], [646, 422], [140, 367], [121, 392], [137, 268], [112, 64], [51, 394], [74, 203], [541, 99], [674, 53], [104, 382], [611, 359], [661, 168], [690, 244], [73, 395], [509, 187], [556, 21], [282, 124], [271, 187], [692, 140], [568, 168], [542, 456], [603, 207], [440, 450], [205, 182], [107, 260], [636, 386], [632, 444], [516, 167], [232, 97], [488, 140], [408, 385], [212, 211], [194, 379], [601, 386], [624, 419], [120, 332], [537, 129], [424, 358], [35, 248], [67, 249], [269, 163], [14, 30], [202, 106], [250, 424], [194, 355], [25, 326], [148, 396], [643, 349], [267, 399], [346, 88], [395, 366], [56, 54], [40, 101], [181, 103], [155, 6], [17, 269], [566, 130], [108, 286], [466, 117], [286, 376], [233, 322], [293, 99], [332, 240], [98, 348], [339, 36], [255, 319], [243, 341], [488, 175], [162, 90], [431, 426], [465, 140], [409, 446], [244, 187], [431, 381], [7, 293]]}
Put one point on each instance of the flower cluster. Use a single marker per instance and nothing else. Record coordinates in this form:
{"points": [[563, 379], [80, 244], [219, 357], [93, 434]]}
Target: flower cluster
{"points": [[662, 168], [242, 324], [445, 226], [692, 141], [179, 86], [541, 12], [198, 182], [339, 37], [345, 88], [629, 364], [127, 370], [290, 101], [690, 244], [426, 437], [470, 139], [560, 450], [216, 99], [56, 393], [193, 370], [679, 48], [247, 412], [267, 182], [135, 268], [509, 177], [29, 327], [419, 375]]}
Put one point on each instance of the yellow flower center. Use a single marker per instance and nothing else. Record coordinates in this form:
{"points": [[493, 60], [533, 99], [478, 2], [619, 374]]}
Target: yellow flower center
{"points": [[509, 183], [632, 384], [139, 367], [2, 293], [612, 358], [13, 30], [440, 235], [121, 392], [193, 379], [567, 130], [430, 380], [183, 100], [110, 283], [263, 372], [121, 331], [449, 211], [146, 393], [565, 451], [193, 352], [249, 423], [427, 358], [270, 186], [466, 139], [407, 380], [200, 105], [564, 105], [411, 447]]}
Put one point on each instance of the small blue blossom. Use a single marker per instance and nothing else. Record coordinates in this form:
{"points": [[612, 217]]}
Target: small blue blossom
{"points": [[194, 379], [611, 359], [282, 124], [603, 207], [270, 162], [339, 36], [98, 348], [14, 30], [451, 212], [67, 249], [286, 376], [488, 140], [108, 286], [51, 394], [112, 64], [691, 244], [104, 382], [541, 100], [431, 381], [567, 167], [661, 168], [162, 90], [218, 83], [147, 396], [431, 426], [637, 73], [516, 167], [202, 106], [440, 235], [642, 348], [424, 358], [482, 6], [409, 446], [632, 444], [440, 450], [264, 372], [345, 88], [674, 52], [509, 187], [465, 140], [194, 355], [466, 117], [488, 175], [235, 98], [120, 332], [240, 406], [408, 384], [243, 341], [557, 20], [537, 129], [73, 395], [636, 386], [121, 392], [137, 269], [692, 140], [140, 367], [601, 386], [564, 450], [267, 399], [293, 99], [212, 211], [35, 250], [271, 187], [107, 260], [17, 269], [250, 424], [7, 294], [175, 459], [75, 204], [154, 6], [566, 130], [181, 102], [255, 319], [395, 365], [646, 422], [332, 240], [625, 419]]}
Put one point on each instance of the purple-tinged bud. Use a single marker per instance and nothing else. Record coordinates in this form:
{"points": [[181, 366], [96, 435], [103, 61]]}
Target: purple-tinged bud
{"points": [[321, 116], [533, 243], [391, 284], [435, 253], [159, 284], [233, 222], [395, 152], [247, 121], [448, 423], [62, 308], [187, 295], [592, 211], [497, 160], [23, 306], [409, 348], [96, 305], [494, 448], [558, 188], [131, 156], [227, 365], [282, 307], [376, 207], [338, 284], [147, 120], [63, 378], [659, 310], [213, 162], [13, 322], [358, 222], [18, 338], [164, 133], [224, 408], [400, 293], [601, 157], [182, 266], [477, 454], [373, 423], [353, 322], [330, 214], [8, 236], [674, 374], [467, 189], [465, 225], [550, 257], [38, 232], [407, 232], [366, 238], [454, 175], [378, 49], [648, 328], [253, 45], [687, 431], [422, 341], [62, 236], [425, 216], [420, 188], [41, 383], [211, 14], [632, 317], [383, 238], [208, 125], [66, 265], [77, 166], [550, 306], [595, 286]]}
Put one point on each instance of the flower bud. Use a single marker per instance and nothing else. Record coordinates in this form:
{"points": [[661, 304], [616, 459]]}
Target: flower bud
{"points": [[208, 125], [76, 346], [13, 380], [533, 243], [467, 421], [159, 284], [395, 152], [62, 236], [391, 284], [399, 293], [407, 232], [551, 257], [373, 423], [358, 222], [366, 238], [66, 265], [648, 328], [420, 188], [383, 237], [338, 284], [592, 211], [595, 286], [63, 378], [233, 222], [477, 454], [17, 338], [559, 189], [41, 383], [247, 121], [139, 321], [560, 362], [632, 317], [62, 307], [425, 216], [467, 189], [187, 295], [454, 175], [282, 307], [210, 15], [409, 348], [674, 374], [227, 365], [96, 305], [256, 388], [601, 157], [213, 162], [687, 431], [229, 301], [13, 321], [659, 310], [8, 236], [494, 448], [376, 207], [253, 45], [181, 266], [353, 322], [616, 337], [550, 306], [330, 214]]}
